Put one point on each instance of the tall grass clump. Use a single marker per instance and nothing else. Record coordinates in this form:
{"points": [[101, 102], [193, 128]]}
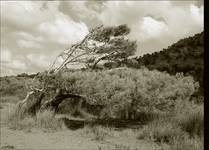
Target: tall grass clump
{"points": [[46, 120], [161, 131], [16, 120], [43, 120], [183, 130], [190, 117]]}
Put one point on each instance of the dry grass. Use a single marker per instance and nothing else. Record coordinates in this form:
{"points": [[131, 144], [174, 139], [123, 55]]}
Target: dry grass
{"points": [[171, 134], [9, 99], [45, 121], [122, 147], [119, 147], [187, 144], [161, 131], [12, 118], [183, 131], [191, 120], [146, 117], [98, 133]]}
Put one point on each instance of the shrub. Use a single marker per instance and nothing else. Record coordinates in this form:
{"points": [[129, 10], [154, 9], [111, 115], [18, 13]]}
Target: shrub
{"points": [[14, 86], [126, 91]]}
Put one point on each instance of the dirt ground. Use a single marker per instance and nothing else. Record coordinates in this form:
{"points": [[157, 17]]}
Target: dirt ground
{"points": [[69, 139]]}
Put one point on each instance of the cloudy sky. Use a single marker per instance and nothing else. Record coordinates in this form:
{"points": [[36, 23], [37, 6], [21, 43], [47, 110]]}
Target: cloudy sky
{"points": [[33, 33]]}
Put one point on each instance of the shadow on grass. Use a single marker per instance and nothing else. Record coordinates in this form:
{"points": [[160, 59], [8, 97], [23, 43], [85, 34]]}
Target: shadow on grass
{"points": [[75, 124], [140, 120]]}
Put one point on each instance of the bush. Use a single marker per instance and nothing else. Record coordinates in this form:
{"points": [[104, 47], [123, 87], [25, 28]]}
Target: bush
{"points": [[125, 92], [14, 86]]}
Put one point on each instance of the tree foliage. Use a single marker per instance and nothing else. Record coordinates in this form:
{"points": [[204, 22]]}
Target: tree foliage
{"points": [[101, 44]]}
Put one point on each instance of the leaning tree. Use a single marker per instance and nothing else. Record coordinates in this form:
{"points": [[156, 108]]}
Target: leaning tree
{"points": [[101, 44]]}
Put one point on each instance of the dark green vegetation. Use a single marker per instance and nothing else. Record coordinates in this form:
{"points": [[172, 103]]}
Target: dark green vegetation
{"points": [[186, 55]]}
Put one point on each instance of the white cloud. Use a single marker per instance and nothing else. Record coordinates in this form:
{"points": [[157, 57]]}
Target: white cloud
{"points": [[6, 55], [151, 28], [47, 27], [18, 64], [28, 44], [10, 64], [27, 14], [28, 40], [13, 67], [197, 14], [39, 60], [29, 36], [29, 27], [63, 30], [166, 22]]}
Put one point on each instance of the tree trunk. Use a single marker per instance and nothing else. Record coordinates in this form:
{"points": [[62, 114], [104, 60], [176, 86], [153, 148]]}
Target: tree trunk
{"points": [[31, 104], [54, 103]]}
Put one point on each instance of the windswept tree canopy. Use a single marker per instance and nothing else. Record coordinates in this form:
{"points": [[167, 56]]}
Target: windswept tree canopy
{"points": [[101, 44]]}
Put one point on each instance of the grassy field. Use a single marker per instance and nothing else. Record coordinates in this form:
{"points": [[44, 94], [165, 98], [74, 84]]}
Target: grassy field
{"points": [[45, 132], [182, 131], [167, 120]]}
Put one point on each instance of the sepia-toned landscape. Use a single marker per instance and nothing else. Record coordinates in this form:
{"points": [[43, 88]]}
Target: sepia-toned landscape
{"points": [[98, 93]]}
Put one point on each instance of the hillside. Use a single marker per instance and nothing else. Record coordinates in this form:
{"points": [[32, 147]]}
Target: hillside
{"points": [[186, 55]]}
